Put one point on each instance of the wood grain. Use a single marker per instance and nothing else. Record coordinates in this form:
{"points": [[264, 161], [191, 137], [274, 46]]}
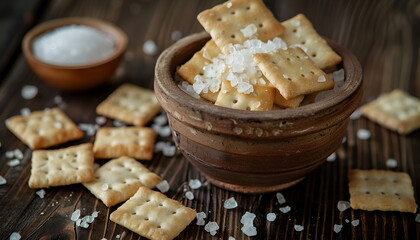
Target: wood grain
{"points": [[385, 37]]}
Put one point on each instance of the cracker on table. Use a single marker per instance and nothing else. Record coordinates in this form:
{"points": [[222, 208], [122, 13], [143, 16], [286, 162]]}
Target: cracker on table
{"points": [[381, 190], [62, 166], [261, 99], [280, 101], [113, 142], [300, 32], [119, 179], [195, 65], [396, 110], [130, 104], [224, 23], [153, 215], [292, 72], [42, 129]]}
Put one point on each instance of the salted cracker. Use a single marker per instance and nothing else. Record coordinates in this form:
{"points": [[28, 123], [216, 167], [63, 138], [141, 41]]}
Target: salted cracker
{"points": [[113, 142], [300, 33], [62, 166], [153, 215], [42, 129], [195, 66], [224, 22], [280, 101], [261, 99], [396, 110], [381, 190], [130, 104], [119, 179], [292, 72]]}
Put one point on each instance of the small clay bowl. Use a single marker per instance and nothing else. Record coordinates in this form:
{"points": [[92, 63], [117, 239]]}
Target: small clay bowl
{"points": [[80, 77], [254, 151]]}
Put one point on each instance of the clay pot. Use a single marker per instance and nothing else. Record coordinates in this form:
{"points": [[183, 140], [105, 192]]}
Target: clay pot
{"points": [[79, 77], [254, 151]]}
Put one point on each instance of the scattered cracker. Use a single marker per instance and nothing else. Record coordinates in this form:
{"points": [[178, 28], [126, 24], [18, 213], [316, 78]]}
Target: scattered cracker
{"points": [[119, 179], [261, 99], [381, 190], [153, 215], [42, 129], [130, 104], [136, 142], [292, 72], [62, 166], [396, 110], [300, 32], [225, 23]]}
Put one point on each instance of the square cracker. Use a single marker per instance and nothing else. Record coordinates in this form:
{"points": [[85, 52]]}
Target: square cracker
{"points": [[136, 142], [292, 72], [280, 101], [224, 23], [62, 166], [119, 179], [195, 66], [261, 99], [396, 110], [300, 32], [42, 129], [153, 215], [381, 190], [130, 104]]}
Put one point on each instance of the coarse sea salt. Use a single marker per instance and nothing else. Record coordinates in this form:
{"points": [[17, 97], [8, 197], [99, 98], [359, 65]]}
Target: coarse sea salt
{"points": [[363, 134], [9, 154], [356, 222], [212, 228], [249, 30], [194, 183], [271, 217], [25, 111], [75, 215], [248, 224], [280, 198], [150, 48], [105, 187], [229, 5], [161, 119], [337, 228], [41, 193], [200, 218], [418, 217], [163, 131], [100, 120], [391, 163], [299, 228], [163, 186], [189, 195], [2, 180], [343, 205], [18, 153], [322, 79], [29, 92], [230, 203], [332, 157], [73, 45], [188, 89], [166, 148], [13, 162], [285, 209], [176, 35], [15, 236]]}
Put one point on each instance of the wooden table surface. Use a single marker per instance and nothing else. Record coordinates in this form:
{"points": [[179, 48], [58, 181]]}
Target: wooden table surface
{"points": [[383, 34]]}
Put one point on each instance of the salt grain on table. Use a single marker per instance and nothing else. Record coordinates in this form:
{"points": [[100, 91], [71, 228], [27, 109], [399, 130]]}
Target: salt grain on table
{"points": [[163, 131], [200, 218], [18, 153], [285, 209], [231, 238], [58, 99], [100, 120], [356, 114], [118, 123], [230, 203], [15, 236], [161, 119], [391, 163], [13, 162], [332, 157], [337, 228], [299, 228], [9, 154], [271, 217], [75, 215], [363, 134], [105, 187], [2, 180], [280, 198], [212, 228], [29, 92], [163, 186], [25, 111], [189, 195], [343, 205], [176, 35], [150, 48], [188, 89], [248, 224], [356, 222], [346, 220], [41, 193], [194, 183]]}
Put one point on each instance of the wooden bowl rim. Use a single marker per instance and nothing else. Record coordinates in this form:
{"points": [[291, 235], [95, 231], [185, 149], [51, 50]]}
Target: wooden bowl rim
{"points": [[165, 72], [118, 36]]}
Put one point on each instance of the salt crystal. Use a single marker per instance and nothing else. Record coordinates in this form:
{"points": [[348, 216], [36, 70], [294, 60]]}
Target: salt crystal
{"points": [[212, 228], [249, 30], [285, 76], [200, 218], [248, 224], [346, 220], [322, 78], [391, 163], [271, 217], [161, 119], [344, 139], [28, 92], [285, 209], [105, 187], [58, 99], [188, 88], [75, 215], [249, 230], [230, 203], [176, 35], [231, 238], [73, 45], [150, 48], [418, 218], [356, 222], [78, 222], [163, 186], [194, 183], [18, 153], [10, 154], [13, 162], [84, 224], [95, 214], [343, 205], [189, 195], [169, 151], [295, 23], [2, 180], [100, 120], [118, 123], [58, 125], [337, 228], [15, 236], [332, 157], [41, 193], [163, 131], [280, 198], [42, 213], [118, 236], [25, 111], [299, 228], [356, 114], [228, 5], [363, 134]]}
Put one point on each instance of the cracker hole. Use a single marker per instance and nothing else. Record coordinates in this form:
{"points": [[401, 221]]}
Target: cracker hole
{"points": [[312, 73], [235, 101], [248, 108], [260, 25], [273, 62], [160, 205], [201, 73], [146, 219], [303, 42], [232, 36], [288, 59], [294, 30], [174, 212], [313, 55], [233, 12], [367, 192], [159, 226], [382, 193], [365, 178], [395, 181], [302, 75], [298, 57], [219, 19], [248, 7], [396, 194]]}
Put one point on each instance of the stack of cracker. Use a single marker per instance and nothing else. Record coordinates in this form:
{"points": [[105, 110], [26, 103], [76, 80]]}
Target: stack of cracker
{"points": [[254, 62]]}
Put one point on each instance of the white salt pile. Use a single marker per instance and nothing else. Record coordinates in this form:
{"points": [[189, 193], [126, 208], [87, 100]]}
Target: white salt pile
{"points": [[189, 195], [25, 111], [15, 236], [337, 228], [29, 92], [280, 198], [212, 228], [41, 193], [299, 228], [194, 183], [150, 48], [200, 218], [271, 217], [356, 222], [391, 163], [73, 45], [332, 157], [363, 134], [163, 186], [248, 224], [343, 205], [285, 209], [230, 203], [2, 180]]}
